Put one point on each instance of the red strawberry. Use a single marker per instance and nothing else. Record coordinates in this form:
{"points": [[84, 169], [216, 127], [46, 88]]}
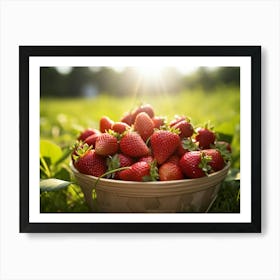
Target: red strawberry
{"points": [[106, 144], [144, 125], [186, 129], [120, 127], [174, 159], [163, 144], [148, 159], [127, 118], [147, 108], [90, 163], [136, 172], [170, 171], [205, 138], [186, 145], [92, 139], [158, 121], [177, 120], [86, 133], [105, 124], [217, 162], [118, 161], [133, 145], [195, 164], [223, 144]]}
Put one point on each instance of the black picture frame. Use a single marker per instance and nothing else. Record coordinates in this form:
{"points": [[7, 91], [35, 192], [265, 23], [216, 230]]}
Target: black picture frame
{"points": [[253, 52]]}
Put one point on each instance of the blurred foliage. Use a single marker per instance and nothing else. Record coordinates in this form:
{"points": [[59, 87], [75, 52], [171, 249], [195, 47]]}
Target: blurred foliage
{"points": [[91, 81]]}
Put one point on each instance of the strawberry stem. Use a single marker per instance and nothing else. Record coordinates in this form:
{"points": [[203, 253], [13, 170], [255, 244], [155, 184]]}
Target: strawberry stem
{"points": [[110, 172]]}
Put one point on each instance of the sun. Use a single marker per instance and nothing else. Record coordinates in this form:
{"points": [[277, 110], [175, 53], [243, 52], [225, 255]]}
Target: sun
{"points": [[150, 73]]}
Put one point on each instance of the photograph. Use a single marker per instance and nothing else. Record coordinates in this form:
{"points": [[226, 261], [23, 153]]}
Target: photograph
{"points": [[141, 138]]}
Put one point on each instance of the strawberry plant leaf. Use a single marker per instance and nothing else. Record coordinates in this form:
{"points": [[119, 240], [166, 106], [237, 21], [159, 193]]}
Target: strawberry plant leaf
{"points": [[64, 156], [50, 150], [53, 184]]}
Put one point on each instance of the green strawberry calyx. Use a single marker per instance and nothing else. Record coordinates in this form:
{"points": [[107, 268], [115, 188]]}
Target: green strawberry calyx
{"points": [[222, 148], [153, 176], [204, 163], [189, 144], [80, 149]]}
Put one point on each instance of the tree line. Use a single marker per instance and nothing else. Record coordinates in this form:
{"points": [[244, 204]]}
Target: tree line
{"points": [[85, 81]]}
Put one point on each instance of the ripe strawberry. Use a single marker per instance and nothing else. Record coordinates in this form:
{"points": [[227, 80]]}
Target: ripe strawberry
{"points": [[217, 162], [148, 159], [127, 118], [147, 108], [223, 145], [170, 171], [144, 125], [195, 164], [186, 145], [120, 127], [205, 138], [173, 159], [163, 144], [92, 139], [158, 122], [133, 145], [177, 119], [186, 129], [86, 133], [136, 172], [106, 144], [118, 161], [91, 164], [105, 124]]}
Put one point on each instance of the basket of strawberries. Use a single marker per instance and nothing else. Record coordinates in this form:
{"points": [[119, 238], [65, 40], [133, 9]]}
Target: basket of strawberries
{"points": [[145, 164]]}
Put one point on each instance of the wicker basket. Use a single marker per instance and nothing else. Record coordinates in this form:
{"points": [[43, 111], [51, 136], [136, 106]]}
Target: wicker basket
{"points": [[189, 195]]}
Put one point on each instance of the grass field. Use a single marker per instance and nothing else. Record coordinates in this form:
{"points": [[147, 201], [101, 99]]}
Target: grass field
{"points": [[62, 119]]}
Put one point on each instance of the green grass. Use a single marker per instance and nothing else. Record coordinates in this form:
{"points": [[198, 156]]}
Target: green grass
{"points": [[62, 119]]}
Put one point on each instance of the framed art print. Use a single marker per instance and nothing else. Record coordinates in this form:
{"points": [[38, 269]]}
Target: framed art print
{"points": [[140, 138]]}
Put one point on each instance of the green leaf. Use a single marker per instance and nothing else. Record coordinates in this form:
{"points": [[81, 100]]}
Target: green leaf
{"points": [[224, 137], [50, 150], [53, 184], [64, 156], [233, 175]]}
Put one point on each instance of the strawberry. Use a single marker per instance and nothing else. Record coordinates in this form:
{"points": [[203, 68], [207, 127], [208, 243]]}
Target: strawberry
{"points": [[136, 172], [163, 144], [133, 145], [223, 145], [170, 171], [105, 124], [106, 144], [176, 120], [158, 122], [120, 127], [90, 163], [86, 133], [148, 159], [174, 159], [205, 137], [217, 162], [186, 145], [186, 129], [118, 161], [92, 139], [195, 164], [127, 118], [144, 125], [147, 108]]}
